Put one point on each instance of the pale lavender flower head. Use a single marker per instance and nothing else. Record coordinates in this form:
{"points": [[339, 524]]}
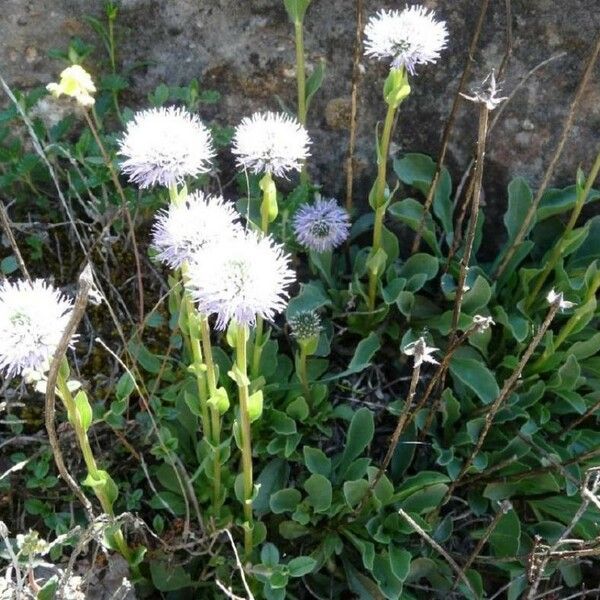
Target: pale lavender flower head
{"points": [[33, 317], [270, 143], [407, 38], [321, 226], [183, 229], [162, 146], [240, 279]]}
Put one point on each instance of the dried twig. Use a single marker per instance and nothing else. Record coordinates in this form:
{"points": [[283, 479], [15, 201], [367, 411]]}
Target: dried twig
{"points": [[505, 506], [240, 567], [537, 566], [109, 165], [400, 425], [476, 196], [5, 221], [437, 547], [84, 287], [354, 104], [507, 389], [527, 221], [509, 39], [450, 123]]}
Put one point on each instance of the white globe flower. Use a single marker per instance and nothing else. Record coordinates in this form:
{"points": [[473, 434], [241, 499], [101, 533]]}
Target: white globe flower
{"points": [[33, 318], [183, 229], [270, 143], [162, 146], [407, 38], [240, 279]]}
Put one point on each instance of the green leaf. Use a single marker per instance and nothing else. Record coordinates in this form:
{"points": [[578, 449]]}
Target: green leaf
{"points": [[400, 562], [301, 565], [103, 486], [364, 353], [315, 81], [281, 423], [477, 297], [319, 492], [255, 406], [360, 434], [376, 262], [149, 361], [9, 265], [586, 348], [417, 170], [316, 461], [558, 201], [220, 400], [269, 555], [298, 409], [84, 410], [410, 212], [426, 499], [476, 376], [417, 482], [48, 590], [168, 577], [125, 386], [290, 530], [396, 87], [272, 478], [285, 500], [296, 9], [312, 296], [388, 583], [519, 202], [417, 270], [506, 537], [355, 491]]}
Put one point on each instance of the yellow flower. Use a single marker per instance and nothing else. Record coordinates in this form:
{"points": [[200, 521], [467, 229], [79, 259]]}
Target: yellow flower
{"points": [[75, 82]]}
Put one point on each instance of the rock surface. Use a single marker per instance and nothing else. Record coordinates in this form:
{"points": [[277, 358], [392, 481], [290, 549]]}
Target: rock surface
{"points": [[245, 50]]}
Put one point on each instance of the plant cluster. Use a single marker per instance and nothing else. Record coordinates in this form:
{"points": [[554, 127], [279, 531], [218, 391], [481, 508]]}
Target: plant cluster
{"points": [[299, 405]]}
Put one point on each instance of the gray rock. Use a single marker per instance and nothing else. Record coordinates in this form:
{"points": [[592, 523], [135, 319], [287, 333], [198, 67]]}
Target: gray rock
{"points": [[246, 51]]}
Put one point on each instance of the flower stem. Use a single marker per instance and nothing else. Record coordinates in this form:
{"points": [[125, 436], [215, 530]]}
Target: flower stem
{"points": [[240, 357], [193, 331], [301, 82], [379, 198], [268, 206], [90, 461], [303, 372], [214, 411]]}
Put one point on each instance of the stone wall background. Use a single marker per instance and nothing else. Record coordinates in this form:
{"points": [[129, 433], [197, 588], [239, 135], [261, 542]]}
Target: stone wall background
{"points": [[245, 50]]}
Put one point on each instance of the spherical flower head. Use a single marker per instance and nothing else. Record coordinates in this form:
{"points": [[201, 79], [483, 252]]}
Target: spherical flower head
{"points": [[183, 229], [321, 226], [240, 279], [75, 82], [306, 325], [270, 143], [407, 38], [33, 317], [162, 146]]}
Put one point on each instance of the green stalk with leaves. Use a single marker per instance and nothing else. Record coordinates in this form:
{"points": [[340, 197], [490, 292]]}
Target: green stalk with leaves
{"points": [[250, 409], [80, 416], [395, 90]]}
